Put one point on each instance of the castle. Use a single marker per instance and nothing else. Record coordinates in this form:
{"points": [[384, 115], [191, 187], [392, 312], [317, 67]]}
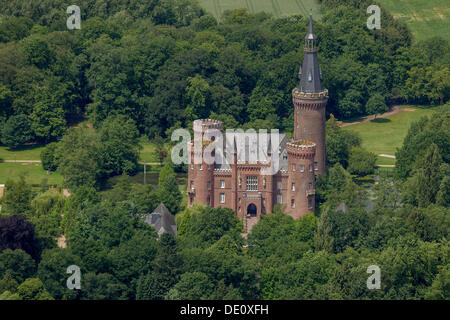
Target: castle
{"points": [[242, 186]]}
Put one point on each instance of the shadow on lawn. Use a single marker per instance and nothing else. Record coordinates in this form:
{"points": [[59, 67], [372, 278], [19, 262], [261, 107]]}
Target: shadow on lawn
{"points": [[381, 120], [26, 147]]}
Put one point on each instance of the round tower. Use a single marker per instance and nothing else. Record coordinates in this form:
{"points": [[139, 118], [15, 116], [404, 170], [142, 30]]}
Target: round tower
{"points": [[309, 122], [301, 181], [310, 100], [200, 173]]}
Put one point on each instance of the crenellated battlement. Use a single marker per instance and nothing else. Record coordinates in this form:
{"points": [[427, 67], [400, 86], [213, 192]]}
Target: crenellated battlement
{"points": [[296, 93], [206, 124], [301, 148]]}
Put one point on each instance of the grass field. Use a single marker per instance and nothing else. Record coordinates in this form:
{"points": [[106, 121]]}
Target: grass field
{"points": [[425, 18], [31, 152], [34, 174], [384, 136], [148, 152], [278, 8]]}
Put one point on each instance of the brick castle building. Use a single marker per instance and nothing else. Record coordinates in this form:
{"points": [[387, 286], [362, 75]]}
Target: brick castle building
{"points": [[242, 186]]}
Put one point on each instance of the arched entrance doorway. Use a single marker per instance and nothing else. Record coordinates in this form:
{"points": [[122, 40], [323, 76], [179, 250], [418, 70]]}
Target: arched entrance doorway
{"points": [[251, 210]]}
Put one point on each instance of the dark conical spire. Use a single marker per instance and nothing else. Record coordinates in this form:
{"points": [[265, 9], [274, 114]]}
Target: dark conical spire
{"points": [[310, 35], [310, 74]]}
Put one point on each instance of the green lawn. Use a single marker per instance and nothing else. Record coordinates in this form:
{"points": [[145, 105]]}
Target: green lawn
{"points": [[148, 152], [30, 152], [384, 136], [33, 172], [425, 18], [278, 8], [383, 160]]}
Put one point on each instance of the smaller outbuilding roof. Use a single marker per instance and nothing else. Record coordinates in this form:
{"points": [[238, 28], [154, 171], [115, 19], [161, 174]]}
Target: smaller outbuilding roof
{"points": [[162, 220], [342, 207]]}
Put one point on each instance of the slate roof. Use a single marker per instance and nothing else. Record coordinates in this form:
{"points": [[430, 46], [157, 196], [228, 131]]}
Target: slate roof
{"points": [[342, 207], [309, 73], [220, 164], [162, 220]]}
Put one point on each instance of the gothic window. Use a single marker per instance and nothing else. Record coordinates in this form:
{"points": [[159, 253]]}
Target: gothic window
{"points": [[252, 183], [222, 198], [201, 166], [302, 168], [279, 185], [310, 186], [293, 186], [279, 198], [209, 185], [222, 184], [316, 166], [293, 167], [192, 184], [292, 203]]}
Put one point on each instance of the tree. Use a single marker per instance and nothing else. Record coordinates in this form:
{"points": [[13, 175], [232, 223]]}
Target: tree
{"points": [[276, 239], [306, 278], [17, 233], [339, 229], [205, 226], [160, 149], [15, 28], [429, 176], [79, 158], [17, 197], [428, 84], [420, 136], [48, 157], [361, 162], [52, 270], [192, 286], [351, 104], [166, 172], [166, 272], [170, 194], [17, 263], [33, 289], [17, 131], [47, 118], [119, 149], [197, 95], [37, 51], [440, 287], [6, 101], [339, 143], [133, 259], [102, 286], [8, 283], [376, 105]]}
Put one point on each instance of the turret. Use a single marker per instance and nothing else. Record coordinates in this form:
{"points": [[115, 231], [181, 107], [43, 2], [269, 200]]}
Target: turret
{"points": [[201, 175], [301, 181]]}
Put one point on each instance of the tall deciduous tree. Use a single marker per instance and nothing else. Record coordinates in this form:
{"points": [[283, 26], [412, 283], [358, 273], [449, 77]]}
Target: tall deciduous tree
{"points": [[119, 149], [79, 158], [17, 131], [376, 105]]}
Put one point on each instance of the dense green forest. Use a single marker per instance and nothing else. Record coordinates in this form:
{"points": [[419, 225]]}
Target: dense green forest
{"points": [[147, 67], [165, 63]]}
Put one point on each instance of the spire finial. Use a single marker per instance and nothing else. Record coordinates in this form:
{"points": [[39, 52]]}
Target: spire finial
{"points": [[310, 35]]}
